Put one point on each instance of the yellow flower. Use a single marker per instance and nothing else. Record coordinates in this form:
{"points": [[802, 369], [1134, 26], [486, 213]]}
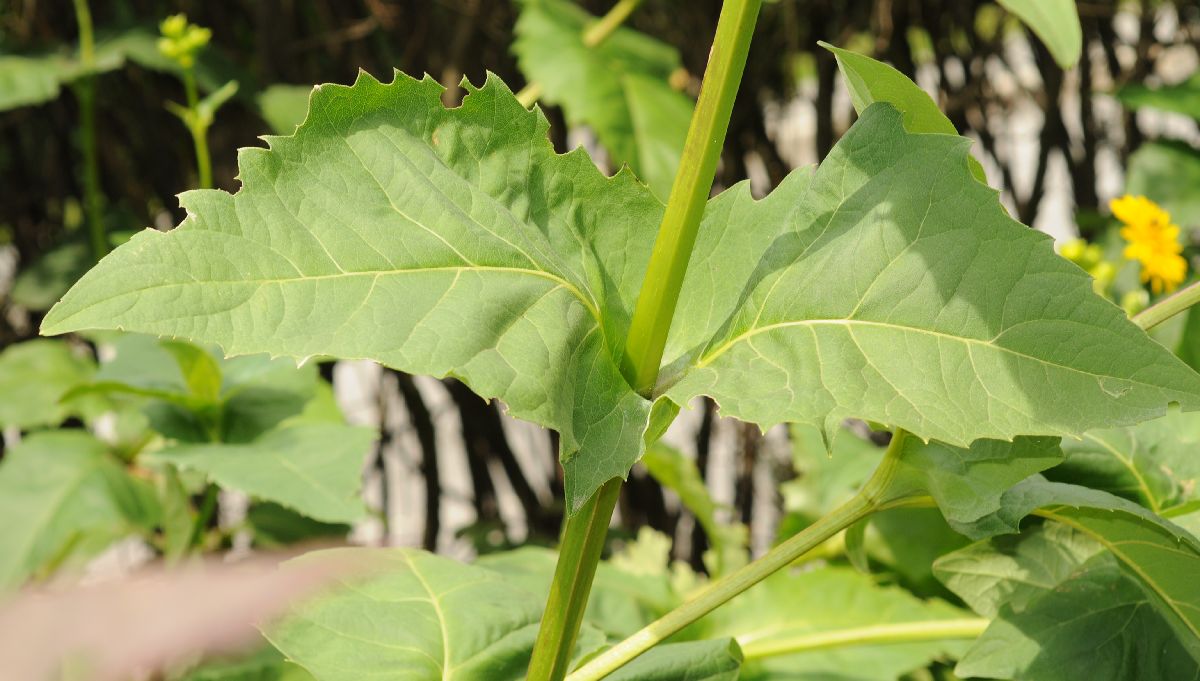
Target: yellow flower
{"points": [[1152, 241]]}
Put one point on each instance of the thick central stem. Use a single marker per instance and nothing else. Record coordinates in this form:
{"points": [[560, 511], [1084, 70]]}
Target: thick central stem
{"points": [[584, 532], [689, 194]]}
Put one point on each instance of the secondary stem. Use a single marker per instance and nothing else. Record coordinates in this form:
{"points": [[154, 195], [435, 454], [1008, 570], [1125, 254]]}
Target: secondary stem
{"points": [[86, 89], [864, 503], [904, 632], [1168, 307], [595, 34], [199, 130], [584, 532]]}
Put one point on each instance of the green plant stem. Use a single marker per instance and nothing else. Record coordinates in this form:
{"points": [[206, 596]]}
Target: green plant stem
{"points": [[584, 533], [593, 36], [199, 130], [906, 632], [1168, 307], [867, 501], [609, 23], [86, 89], [689, 194], [578, 555], [208, 506]]}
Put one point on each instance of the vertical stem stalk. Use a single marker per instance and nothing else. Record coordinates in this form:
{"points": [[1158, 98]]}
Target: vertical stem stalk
{"points": [[867, 501], [86, 89], [578, 555], [689, 194], [584, 532]]}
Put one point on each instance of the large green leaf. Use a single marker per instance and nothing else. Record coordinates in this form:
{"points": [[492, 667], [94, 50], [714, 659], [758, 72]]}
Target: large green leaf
{"points": [[62, 496], [437, 241], [1181, 97], [620, 88], [1056, 22], [1064, 610], [315, 469], [1162, 557], [1168, 173], [417, 617], [828, 603], [1153, 463], [34, 376], [893, 287]]}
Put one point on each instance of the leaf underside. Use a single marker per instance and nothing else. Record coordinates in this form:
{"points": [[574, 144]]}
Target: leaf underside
{"points": [[888, 285]]}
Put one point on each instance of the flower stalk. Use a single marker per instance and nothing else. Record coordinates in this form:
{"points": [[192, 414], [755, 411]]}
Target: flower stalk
{"points": [[86, 91]]}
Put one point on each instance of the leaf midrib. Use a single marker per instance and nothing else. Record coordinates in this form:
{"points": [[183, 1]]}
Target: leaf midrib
{"points": [[709, 358], [589, 304]]}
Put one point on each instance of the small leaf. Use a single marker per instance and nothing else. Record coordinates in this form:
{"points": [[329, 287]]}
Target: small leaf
{"points": [[626, 99], [284, 107], [314, 469], [969, 484], [34, 376], [1056, 22], [64, 497]]}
